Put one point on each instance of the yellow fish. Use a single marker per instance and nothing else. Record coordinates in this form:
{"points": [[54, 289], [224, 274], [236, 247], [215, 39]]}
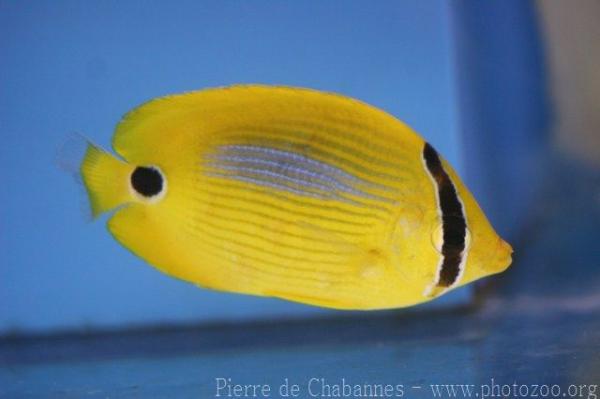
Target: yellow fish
{"points": [[293, 193]]}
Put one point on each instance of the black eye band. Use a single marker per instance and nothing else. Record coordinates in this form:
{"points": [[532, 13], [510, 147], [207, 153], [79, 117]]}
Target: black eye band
{"points": [[147, 181], [454, 223]]}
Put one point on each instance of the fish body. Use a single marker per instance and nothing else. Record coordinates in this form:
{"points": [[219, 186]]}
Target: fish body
{"points": [[293, 193]]}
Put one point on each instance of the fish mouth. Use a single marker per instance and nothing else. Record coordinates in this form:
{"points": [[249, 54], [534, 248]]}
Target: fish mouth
{"points": [[503, 256]]}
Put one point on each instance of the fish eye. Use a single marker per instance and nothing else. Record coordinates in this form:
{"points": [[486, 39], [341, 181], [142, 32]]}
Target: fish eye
{"points": [[148, 182]]}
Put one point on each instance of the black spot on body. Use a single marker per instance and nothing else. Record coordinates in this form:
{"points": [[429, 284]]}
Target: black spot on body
{"points": [[147, 181], [454, 225]]}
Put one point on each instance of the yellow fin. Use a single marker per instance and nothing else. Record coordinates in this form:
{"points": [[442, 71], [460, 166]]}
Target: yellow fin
{"points": [[106, 180], [155, 130], [160, 129]]}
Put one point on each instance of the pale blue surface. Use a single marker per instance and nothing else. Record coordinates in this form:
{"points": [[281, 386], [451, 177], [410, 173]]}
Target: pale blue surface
{"points": [[78, 66]]}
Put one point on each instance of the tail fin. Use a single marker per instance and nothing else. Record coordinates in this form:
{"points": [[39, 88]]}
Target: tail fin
{"points": [[106, 179]]}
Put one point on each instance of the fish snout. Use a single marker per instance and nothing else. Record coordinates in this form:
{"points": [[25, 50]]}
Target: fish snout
{"points": [[502, 257]]}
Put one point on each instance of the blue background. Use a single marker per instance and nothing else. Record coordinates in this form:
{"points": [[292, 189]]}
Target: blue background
{"points": [[478, 79], [78, 66]]}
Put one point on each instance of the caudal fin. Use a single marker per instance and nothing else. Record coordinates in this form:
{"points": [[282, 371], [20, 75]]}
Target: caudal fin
{"points": [[106, 179]]}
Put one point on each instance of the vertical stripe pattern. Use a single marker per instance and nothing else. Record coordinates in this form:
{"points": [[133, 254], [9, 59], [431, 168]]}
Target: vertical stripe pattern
{"points": [[454, 224]]}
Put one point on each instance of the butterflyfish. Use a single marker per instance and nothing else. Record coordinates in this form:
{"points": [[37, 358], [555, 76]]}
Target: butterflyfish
{"points": [[291, 193]]}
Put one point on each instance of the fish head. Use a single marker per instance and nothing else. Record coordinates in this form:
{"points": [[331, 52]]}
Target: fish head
{"points": [[437, 253], [485, 252]]}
